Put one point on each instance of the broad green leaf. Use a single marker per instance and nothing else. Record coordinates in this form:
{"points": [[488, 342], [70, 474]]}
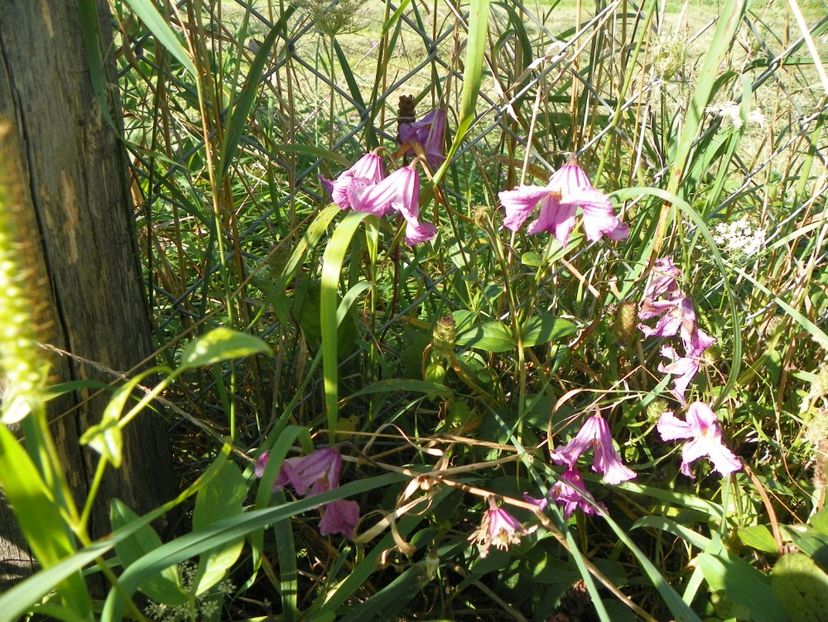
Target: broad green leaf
{"points": [[221, 344], [490, 336], [166, 586], [742, 584], [758, 537], [801, 587], [39, 518], [401, 385], [147, 13], [545, 328], [222, 498]]}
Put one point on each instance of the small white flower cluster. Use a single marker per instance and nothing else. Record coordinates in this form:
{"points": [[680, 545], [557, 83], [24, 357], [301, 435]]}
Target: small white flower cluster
{"points": [[739, 237], [729, 112], [203, 607]]}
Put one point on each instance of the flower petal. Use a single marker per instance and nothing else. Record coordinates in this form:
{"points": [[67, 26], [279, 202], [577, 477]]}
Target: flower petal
{"points": [[519, 203], [339, 517]]}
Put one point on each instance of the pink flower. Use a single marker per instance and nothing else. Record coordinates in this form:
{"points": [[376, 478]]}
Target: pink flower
{"points": [[677, 316], [399, 192], [663, 280], [568, 188], [315, 473], [703, 428], [539, 503], [367, 170], [498, 527], [570, 492], [339, 517], [430, 132], [681, 368], [595, 434]]}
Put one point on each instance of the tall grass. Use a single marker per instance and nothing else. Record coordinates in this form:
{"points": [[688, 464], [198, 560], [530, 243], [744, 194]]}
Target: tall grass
{"points": [[445, 373]]}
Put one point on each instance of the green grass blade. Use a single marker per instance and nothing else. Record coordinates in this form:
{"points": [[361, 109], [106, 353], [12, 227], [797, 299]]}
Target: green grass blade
{"points": [[332, 261], [472, 75], [158, 26]]}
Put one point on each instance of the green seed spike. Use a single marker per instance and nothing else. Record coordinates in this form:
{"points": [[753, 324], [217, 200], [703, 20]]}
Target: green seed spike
{"points": [[23, 368]]}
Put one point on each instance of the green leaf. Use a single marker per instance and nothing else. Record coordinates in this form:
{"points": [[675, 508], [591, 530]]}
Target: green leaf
{"points": [[758, 537], [400, 385], [472, 77], [166, 586], [39, 518], [147, 13], [545, 328], [801, 587], [222, 498], [221, 344], [742, 584], [490, 336], [332, 261]]}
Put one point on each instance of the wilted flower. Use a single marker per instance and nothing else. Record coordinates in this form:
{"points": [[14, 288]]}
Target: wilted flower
{"points": [[568, 188], [399, 192], [367, 170], [703, 428], [570, 492], [429, 132], [315, 473], [339, 517], [595, 434], [498, 527]]}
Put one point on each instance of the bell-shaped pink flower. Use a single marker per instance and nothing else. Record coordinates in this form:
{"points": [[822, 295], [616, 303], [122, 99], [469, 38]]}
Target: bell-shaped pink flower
{"points": [[664, 280], [367, 170], [682, 368], [568, 188], [310, 475], [430, 132], [595, 434], [677, 316], [570, 492], [399, 192], [498, 528], [705, 433], [339, 517]]}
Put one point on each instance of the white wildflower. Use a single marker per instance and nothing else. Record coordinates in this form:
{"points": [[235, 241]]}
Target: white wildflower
{"points": [[739, 237]]}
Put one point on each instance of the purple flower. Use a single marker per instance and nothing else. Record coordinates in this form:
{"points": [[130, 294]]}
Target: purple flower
{"points": [[677, 316], [339, 517], [570, 492], [539, 503], [367, 170], [315, 473], [681, 368], [663, 280], [568, 188], [595, 434], [399, 192], [430, 133], [498, 527], [703, 428]]}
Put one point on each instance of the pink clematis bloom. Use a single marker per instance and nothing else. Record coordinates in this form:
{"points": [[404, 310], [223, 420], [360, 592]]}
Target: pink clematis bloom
{"points": [[313, 474], [339, 517], [703, 428], [498, 527], [430, 132], [399, 192], [568, 188], [682, 368], [595, 434], [663, 280], [570, 492], [677, 316], [367, 170]]}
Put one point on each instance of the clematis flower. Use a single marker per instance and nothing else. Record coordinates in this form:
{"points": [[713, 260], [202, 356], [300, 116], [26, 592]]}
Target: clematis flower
{"points": [[367, 170], [339, 517], [705, 433], [595, 434], [682, 368], [570, 492], [677, 316], [568, 188], [399, 192], [430, 132], [663, 280], [498, 527], [315, 473]]}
